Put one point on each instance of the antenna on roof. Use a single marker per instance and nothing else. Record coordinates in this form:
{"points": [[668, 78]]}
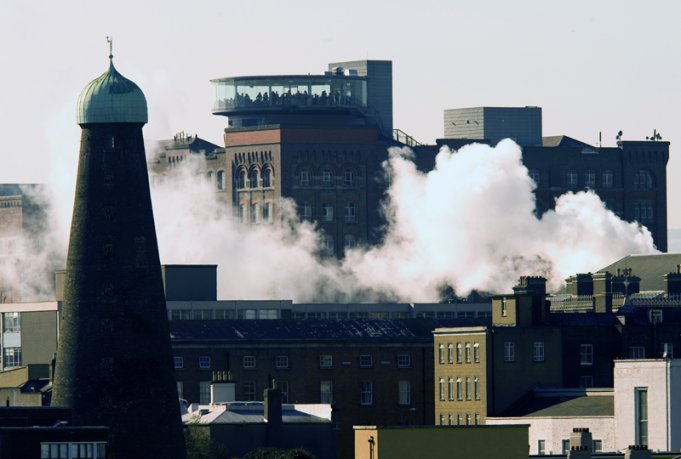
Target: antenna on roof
{"points": [[109, 40]]}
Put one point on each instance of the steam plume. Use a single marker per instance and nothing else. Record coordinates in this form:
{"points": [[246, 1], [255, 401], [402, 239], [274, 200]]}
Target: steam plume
{"points": [[468, 224]]}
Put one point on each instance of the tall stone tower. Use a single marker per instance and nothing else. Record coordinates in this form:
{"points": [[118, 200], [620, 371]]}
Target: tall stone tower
{"points": [[114, 363]]}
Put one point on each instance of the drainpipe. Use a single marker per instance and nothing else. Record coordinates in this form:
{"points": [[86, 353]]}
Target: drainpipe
{"points": [[667, 402]]}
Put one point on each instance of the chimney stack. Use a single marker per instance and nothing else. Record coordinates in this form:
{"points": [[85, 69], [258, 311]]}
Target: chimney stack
{"points": [[638, 452], [273, 416], [581, 443], [602, 292]]}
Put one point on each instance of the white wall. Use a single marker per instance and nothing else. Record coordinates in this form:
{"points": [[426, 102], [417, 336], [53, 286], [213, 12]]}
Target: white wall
{"points": [[554, 430], [662, 379]]}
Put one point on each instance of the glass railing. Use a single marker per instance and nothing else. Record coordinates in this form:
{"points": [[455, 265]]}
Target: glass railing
{"points": [[290, 91]]}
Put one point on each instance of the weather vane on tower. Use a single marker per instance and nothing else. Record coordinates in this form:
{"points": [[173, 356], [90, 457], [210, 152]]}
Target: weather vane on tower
{"points": [[109, 40]]}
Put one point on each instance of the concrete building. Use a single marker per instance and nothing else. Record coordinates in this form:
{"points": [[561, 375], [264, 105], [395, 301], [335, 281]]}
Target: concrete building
{"points": [[630, 178], [114, 361], [648, 403]]}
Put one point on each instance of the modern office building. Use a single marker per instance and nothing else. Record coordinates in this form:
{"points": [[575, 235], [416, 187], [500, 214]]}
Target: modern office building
{"points": [[630, 178]]}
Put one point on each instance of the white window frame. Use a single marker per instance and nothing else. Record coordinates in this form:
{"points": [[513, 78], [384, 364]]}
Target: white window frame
{"points": [[325, 361], [586, 354], [538, 351], [281, 362], [403, 361], [404, 393], [366, 361], [204, 362], [509, 351], [178, 362], [366, 397], [249, 362]]}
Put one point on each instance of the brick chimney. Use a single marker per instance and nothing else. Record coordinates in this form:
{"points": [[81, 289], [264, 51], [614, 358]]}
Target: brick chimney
{"points": [[673, 281], [602, 292], [222, 388], [581, 443], [532, 290], [638, 452], [272, 401], [579, 284]]}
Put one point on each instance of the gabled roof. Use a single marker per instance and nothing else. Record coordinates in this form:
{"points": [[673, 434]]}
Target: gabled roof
{"points": [[563, 141], [650, 268], [361, 330]]}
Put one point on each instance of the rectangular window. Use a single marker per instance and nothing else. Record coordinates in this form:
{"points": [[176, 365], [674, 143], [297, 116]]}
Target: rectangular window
{"points": [[366, 361], [637, 352], [281, 362], [450, 389], [459, 389], [327, 212], [468, 353], [541, 447], [451, 419], [442, 419], [477, 419], [325, 361], [598, 446], [11, 322], [347, 177], [468, 388], [204, 392], [204, 362], [441, 354], [326, 177], [326, 392], [509, 351], [668, 351], [476, 353], [179, 362], [586, 354], [468, 419], [403, 361], [538, 354], [504, 308], [641, 415], [349, 212], [304, 177], [655, 316], [404, 393], [248, 361], [459, 355], [450, 353], [476, 388], [565, 446], [283, 387], [442, 389], [249, 391], [459, 419], [366, 395]]}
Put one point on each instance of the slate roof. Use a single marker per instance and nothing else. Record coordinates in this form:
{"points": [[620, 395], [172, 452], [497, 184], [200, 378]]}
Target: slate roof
{"points": [[564, 406], [582, 319], [650, 268], [374, 330]]}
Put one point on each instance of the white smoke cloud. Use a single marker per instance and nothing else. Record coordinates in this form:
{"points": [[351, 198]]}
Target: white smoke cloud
{"points": [[468, 224]]}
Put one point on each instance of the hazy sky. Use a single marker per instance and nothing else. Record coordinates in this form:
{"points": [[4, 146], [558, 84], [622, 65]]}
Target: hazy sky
{"points": [[592, 66]]}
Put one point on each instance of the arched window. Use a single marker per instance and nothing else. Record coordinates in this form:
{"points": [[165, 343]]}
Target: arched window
{"points": [[267, 177], [241, 179], [643, 180], [254, 213], [348, 177], [253, 178], [221, 181], [210, 177]]}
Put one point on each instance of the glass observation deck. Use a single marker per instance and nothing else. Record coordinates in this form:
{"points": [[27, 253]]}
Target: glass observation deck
{"points": [[297, 92]]}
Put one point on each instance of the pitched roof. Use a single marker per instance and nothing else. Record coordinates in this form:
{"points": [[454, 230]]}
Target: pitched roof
{"points": [[565, 405], [649, 267], [563, 141], [415, 330]]}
